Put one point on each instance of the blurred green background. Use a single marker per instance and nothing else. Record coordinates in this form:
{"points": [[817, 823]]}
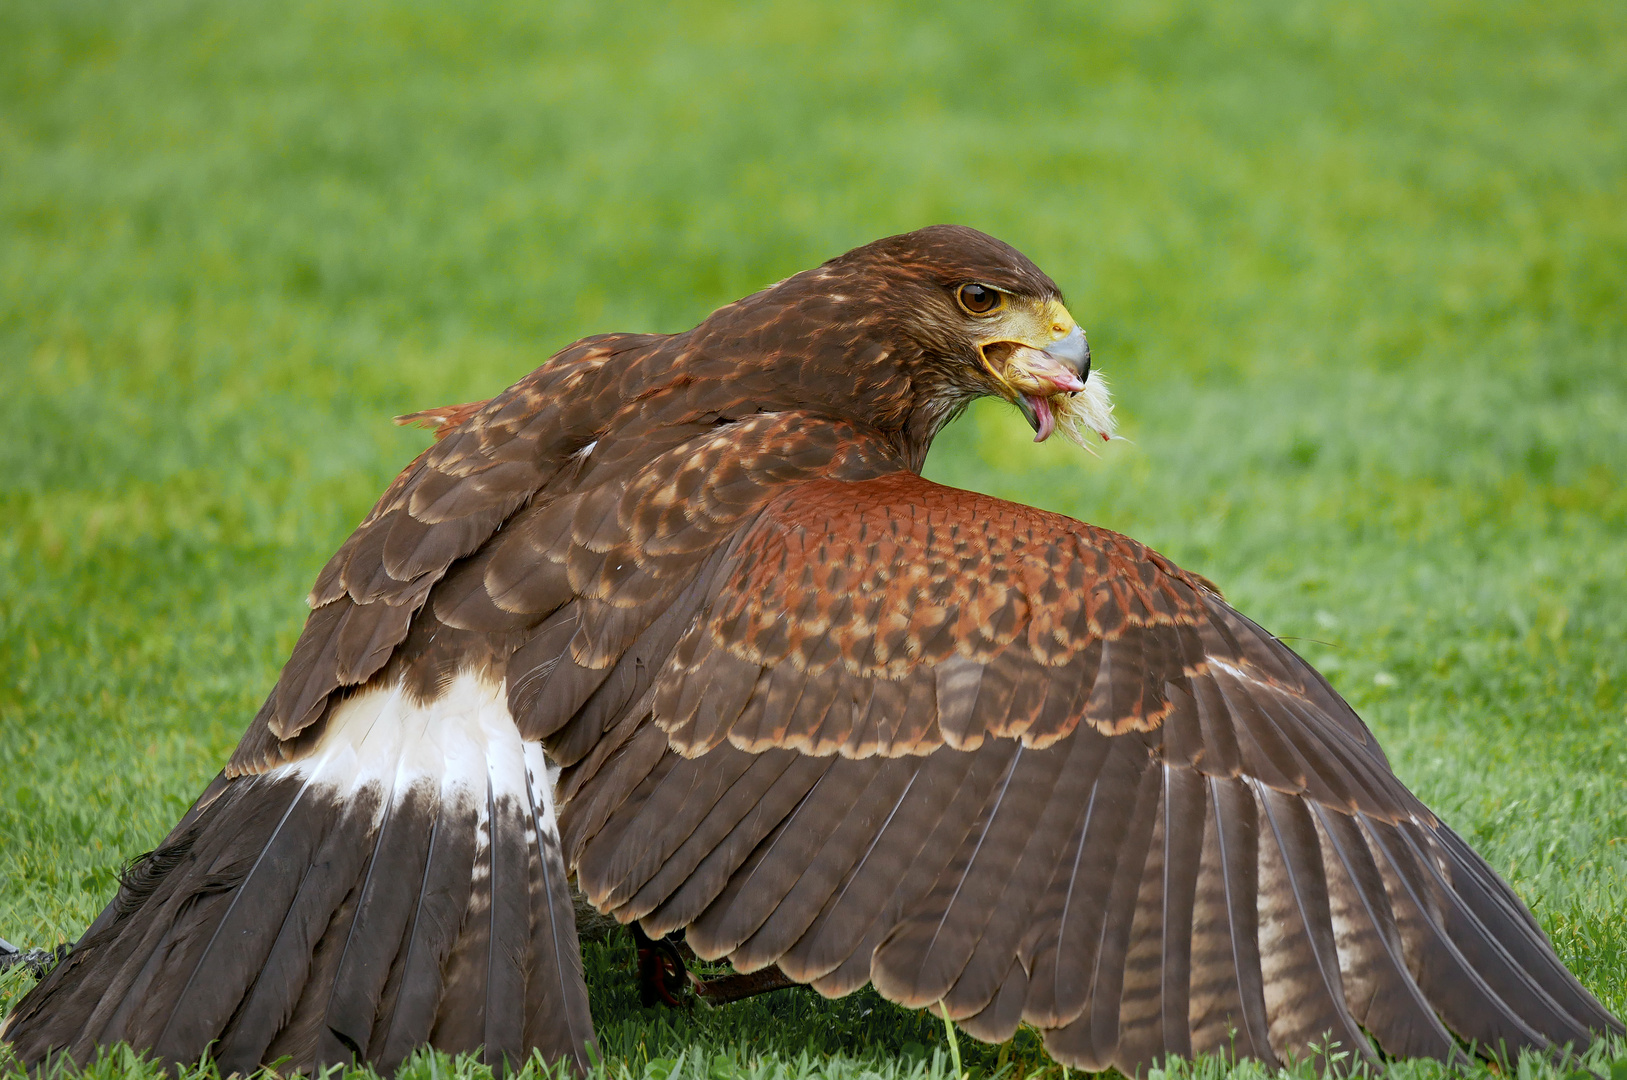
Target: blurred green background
{"points": [[1356, 272]]}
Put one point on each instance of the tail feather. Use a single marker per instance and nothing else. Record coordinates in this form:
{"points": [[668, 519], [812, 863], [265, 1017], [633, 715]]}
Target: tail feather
{"points": [[460, 1016], [76, 987], [414, 987], [264, 943], [179, 893], [379, 924], [402, 885], [509, 933], [300, 1038], [557, 1018]]}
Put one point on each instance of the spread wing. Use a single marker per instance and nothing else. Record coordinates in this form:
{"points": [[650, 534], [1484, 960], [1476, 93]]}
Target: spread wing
{"points": [[817, 710], [993, 758]]}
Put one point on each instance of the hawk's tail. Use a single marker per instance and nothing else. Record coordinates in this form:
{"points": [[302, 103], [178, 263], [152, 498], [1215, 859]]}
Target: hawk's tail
{"points": [[402, 885]]}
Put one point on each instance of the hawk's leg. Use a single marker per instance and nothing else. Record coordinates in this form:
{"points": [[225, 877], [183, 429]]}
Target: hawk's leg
{"points": [[662, 976], [727, 988]]}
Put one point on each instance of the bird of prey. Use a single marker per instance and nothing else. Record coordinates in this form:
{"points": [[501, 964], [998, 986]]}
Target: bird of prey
{"points": [[679, 616]]}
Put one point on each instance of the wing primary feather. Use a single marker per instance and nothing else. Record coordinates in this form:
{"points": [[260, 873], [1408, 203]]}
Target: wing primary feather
{"points": [[684, 903], [1486, 952], [1060, 950], [1263, 753], [1107, 998], [1237, 834], [1087, 1029], [806, 939], [1310, 1002], [982, 835], [1183, 858], [613, 873], [1019, 858], [1137, 1022], [724, 924], [633, 770], [1226, 1004], [998, 1020], [1457, 990], [762, 791], [906, 977], [843, 939], [1396, 1013], [785, 883], [1519, 937]]}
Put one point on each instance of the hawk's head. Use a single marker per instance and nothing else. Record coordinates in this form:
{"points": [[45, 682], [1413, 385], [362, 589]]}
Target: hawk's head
{"points": [[968, 315], [902, 334]]}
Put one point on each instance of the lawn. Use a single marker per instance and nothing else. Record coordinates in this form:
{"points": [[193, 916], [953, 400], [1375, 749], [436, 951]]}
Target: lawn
{"points": [[1357, 273]]}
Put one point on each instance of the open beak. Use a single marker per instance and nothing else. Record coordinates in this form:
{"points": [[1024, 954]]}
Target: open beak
{"points": [[1042, 374], [1043, 380]]}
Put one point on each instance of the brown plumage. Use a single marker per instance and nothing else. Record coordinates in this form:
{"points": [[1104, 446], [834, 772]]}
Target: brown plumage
{"points": [[691, 592]]}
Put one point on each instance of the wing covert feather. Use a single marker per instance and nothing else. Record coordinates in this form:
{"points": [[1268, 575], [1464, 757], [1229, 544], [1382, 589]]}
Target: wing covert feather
{"points": [[833, 717], [1037, 772]]}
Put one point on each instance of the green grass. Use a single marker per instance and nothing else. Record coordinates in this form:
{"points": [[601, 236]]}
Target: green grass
{"points": [[1357, 272]]}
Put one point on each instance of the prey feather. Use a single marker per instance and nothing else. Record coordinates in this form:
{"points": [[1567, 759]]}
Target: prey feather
{"points": [[1082, 410], [1086, 413]]}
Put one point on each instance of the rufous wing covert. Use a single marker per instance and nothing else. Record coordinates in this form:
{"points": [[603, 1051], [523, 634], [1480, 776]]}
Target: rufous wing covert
{"points": [[678, 615]]}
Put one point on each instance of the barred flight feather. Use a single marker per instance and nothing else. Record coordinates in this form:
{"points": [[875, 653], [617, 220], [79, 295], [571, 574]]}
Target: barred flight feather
{"points": [[818, 711]]}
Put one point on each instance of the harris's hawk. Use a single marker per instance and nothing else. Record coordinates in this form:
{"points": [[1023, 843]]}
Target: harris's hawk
{"points": [[679, 615]]}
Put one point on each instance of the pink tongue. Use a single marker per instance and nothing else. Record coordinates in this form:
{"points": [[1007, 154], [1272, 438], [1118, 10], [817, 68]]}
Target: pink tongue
{"points": [[1047, 420]]}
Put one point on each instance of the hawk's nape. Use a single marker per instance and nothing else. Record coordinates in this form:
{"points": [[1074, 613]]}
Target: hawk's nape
{"points": [[691, 591]]}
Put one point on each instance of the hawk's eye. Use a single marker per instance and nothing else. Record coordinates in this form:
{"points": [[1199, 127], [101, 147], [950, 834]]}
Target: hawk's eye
{"points": [[979, 299]]}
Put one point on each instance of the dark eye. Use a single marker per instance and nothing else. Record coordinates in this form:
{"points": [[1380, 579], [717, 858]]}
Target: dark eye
{"points": [[979, 299]]}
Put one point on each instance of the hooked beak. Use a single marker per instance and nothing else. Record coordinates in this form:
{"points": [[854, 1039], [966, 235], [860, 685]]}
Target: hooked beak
{"points": [[1073, 352], [1036, 358], [1036, 375]]}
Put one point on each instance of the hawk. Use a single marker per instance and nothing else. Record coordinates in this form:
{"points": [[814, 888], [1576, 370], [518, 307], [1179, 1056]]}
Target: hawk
{"points": [[679, 616]]}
